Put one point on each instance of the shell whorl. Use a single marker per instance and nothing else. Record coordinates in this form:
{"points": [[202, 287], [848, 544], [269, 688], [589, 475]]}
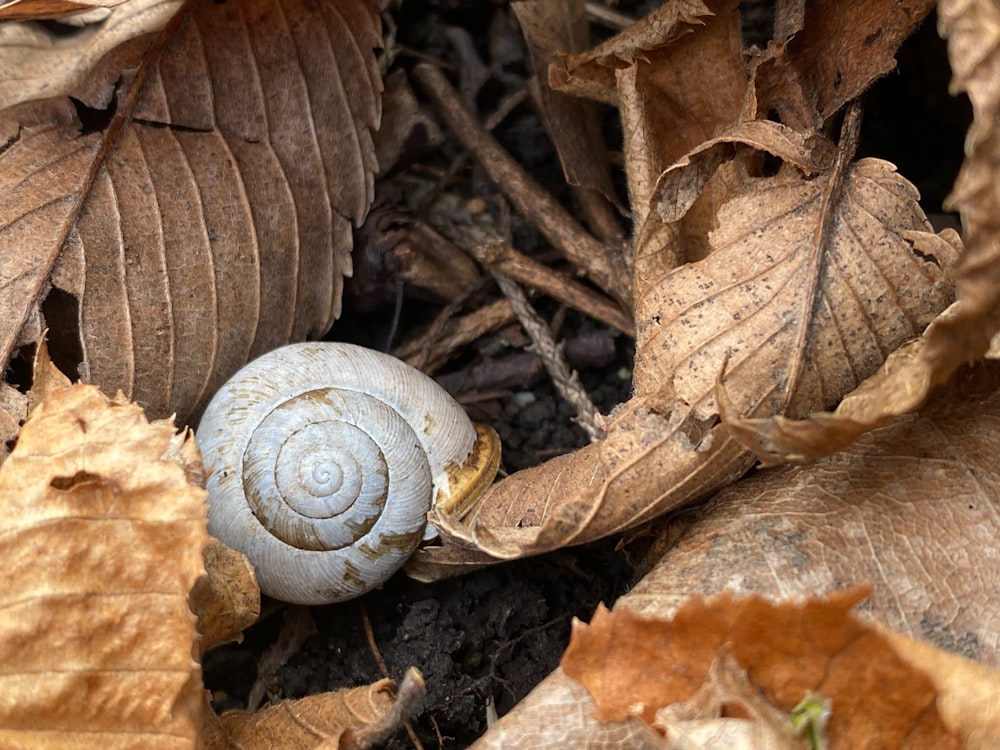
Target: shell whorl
{"points": [[324, 459]]}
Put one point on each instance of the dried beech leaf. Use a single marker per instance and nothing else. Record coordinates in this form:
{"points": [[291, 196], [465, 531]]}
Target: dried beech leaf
{"points": [[13, 412], [347, 719], [964, 332], [655, 72], [102, 545], [211, 220], [912, 508], [807, 289], [38, 63], [592, 74], [967, 690], [559, 713], [26, 10], [625, 664], [226, 599], [826, 62], [633, 665]]}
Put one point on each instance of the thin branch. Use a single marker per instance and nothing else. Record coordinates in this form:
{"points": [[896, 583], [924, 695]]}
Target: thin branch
{"points": [[540, 208]]}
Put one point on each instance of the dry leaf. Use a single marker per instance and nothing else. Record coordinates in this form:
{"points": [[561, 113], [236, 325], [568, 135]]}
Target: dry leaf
{"points": [[348, 719], [572, 123], [912, 508], [13, 412], [967, 690], [821, 62], [964, 331], [226, 599], [64, 10], [633, 666], [41, 64], [102, 545], [625, 665], [211, 220], [811, 282], [655, 71]]}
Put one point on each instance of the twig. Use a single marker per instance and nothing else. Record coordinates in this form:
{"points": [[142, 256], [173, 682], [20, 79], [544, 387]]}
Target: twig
{"points": [[554, 221], [506, 106], [500, 256], [432, 349], [608, 17]]}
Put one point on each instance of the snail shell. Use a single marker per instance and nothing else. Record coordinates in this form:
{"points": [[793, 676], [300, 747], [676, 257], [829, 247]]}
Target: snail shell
{"points": [[326, 457]]}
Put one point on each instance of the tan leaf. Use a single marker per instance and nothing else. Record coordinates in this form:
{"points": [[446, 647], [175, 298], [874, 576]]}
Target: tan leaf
{"points": [[211, 220], [347, 719], [826, 62], [226, 599], [633, 666], [25, 10], [655, 72], [809, 285], [41, 64], [964, 331], [912, 508], [625, 664], [102, 545], [13, 412], [967, 690]]}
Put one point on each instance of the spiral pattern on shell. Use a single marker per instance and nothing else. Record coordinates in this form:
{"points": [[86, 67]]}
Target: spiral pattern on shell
{"points": [[324, 458]]}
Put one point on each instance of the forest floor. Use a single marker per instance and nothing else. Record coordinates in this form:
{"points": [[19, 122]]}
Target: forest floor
{"points": [[482, 641]]}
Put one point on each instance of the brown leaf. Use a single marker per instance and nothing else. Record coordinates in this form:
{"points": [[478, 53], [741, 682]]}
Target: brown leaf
{"points": [[655, 72], [103, 543], [347, 719], [826, 62], [572, 123], [912, 508], [38, 64], [25, 10], [967, 690], [633, 665], [13, 412], [809, 285], [963, 332], [560, 713], [226, 600], [211, 220]]}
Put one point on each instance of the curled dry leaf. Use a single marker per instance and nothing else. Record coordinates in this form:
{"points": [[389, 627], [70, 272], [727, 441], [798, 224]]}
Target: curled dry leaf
{"points": [[573, 124], [963, 332], [210, 221], [911, 508], [226, 599], [39, 64], [655, 72], [102, 545], [820, 62], [349, 719], [810, 283], [635, 666]]}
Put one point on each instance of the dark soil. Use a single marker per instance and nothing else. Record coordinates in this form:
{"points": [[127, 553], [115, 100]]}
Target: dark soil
{"points": [[484, 640]]}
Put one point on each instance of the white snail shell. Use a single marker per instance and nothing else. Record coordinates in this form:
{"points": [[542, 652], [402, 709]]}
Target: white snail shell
{"points": [[326, 457]]}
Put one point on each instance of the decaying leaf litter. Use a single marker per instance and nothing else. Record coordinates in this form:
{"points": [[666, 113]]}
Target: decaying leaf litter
{"points": [[701, 345]]}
